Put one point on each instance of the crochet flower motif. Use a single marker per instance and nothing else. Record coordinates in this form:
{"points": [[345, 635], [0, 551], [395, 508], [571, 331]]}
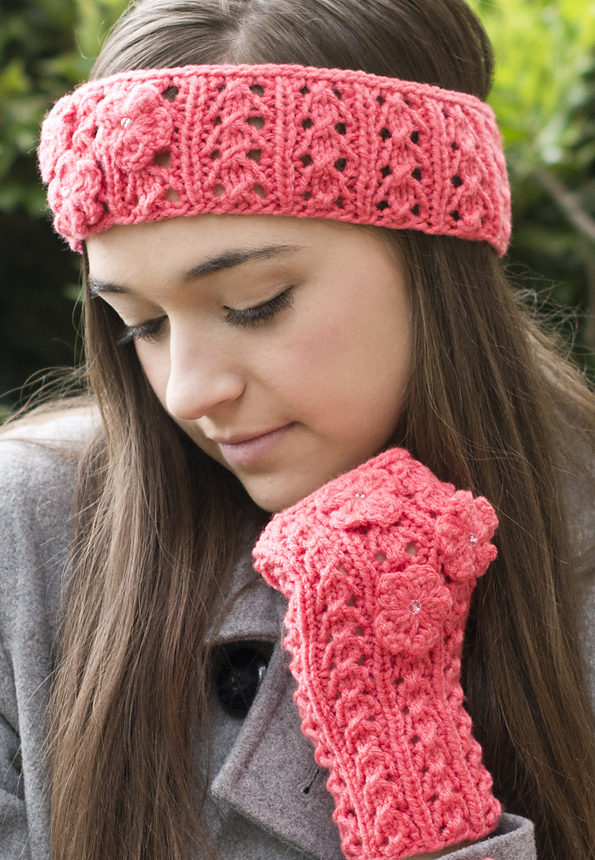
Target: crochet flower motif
{"points": [[56, 136], [133, 127], [463, 536], [365, 501], [73, 193], [413, 607]]}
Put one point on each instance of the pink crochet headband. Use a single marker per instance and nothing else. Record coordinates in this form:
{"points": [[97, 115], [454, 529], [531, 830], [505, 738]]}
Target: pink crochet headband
{"points": [[277, 140]]}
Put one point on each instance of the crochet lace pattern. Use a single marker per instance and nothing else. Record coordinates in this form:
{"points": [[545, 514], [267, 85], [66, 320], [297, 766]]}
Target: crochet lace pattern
{"points": [[274, 139], [378, 567]]}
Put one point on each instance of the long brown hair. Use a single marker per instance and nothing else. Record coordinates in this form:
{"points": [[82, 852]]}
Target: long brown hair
{"points": [[490, 407]]}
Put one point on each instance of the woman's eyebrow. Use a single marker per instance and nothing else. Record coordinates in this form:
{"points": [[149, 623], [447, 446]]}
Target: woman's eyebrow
{"points": [[226, 260], [229, 259]]}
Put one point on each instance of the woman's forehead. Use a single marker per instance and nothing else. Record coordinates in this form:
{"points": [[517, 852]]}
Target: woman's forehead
{"points": [[201, 242]]}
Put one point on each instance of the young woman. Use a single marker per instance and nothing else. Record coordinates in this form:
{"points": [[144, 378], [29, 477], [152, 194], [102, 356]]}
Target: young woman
{"points": [[291, 216]]}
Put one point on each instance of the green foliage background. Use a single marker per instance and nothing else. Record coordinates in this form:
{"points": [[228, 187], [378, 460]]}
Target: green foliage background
{"points": [[544, 98]]}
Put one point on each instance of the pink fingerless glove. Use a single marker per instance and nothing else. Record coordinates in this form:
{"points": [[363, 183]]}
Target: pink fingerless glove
{"points": [[378, 567]]}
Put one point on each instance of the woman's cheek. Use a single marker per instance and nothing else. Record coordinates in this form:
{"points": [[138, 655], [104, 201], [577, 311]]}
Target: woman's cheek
{"points": [[155, 364]]}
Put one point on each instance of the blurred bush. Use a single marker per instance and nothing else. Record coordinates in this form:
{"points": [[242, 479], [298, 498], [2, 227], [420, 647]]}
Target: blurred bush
{"points": [[46, 48], [544, 98]]}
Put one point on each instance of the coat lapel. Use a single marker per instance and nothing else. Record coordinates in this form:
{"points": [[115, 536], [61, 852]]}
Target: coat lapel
{"points": [[269, 774]]}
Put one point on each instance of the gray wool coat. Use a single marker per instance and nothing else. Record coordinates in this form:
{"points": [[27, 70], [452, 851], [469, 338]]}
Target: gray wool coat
{"points": [[268, 799]]}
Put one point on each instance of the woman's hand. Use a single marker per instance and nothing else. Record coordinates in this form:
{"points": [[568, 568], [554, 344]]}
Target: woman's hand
{"points": [[378, 567]]}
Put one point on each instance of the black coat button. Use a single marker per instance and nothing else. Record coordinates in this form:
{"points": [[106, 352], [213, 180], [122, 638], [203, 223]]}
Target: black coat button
{"points": [[239, 672]]}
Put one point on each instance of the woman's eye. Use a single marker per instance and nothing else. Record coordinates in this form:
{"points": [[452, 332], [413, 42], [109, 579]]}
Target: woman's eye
{"points": [[151, 330], [262, 313], [148, 331]]}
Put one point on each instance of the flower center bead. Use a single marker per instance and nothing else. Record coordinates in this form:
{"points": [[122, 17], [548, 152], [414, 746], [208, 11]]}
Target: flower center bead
{"points": [[473, 538], [360, 495], [415, 607], [125, 122]]}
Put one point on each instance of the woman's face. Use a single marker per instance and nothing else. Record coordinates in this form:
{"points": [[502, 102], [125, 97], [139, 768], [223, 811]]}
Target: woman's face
{"points": [[280, 345]]}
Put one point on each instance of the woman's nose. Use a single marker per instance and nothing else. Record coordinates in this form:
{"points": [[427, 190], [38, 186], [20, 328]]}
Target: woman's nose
{"points": [[201, 380]]}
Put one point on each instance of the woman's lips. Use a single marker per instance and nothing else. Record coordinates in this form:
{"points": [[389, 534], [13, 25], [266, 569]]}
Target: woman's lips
{"points": [[243, 453]]}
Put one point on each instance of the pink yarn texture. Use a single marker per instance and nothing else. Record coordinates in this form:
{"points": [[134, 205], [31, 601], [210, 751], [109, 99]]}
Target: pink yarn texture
{"points": [[274, 139], [378, 567]]}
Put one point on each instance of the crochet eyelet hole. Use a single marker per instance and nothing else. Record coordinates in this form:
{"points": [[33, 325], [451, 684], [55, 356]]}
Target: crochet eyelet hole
{"points": [[306, 159], [456, 181], [219, 190], [337, 93], [411, 549], [258, 189], [339, 202], [384, 204], [307, 123], [454, 215], [405, 710], [217, 120], [220, 88], [257, 90], [416, 174], [380, 557], [433, 798], [380, 100], [340, 164], [399, 681], [415, 739], [454, 146], [163, 159], [414, 137], [385, 133], [341, 128], [385, 171], [172, 194], [170, 93], [256, 122], [304, 91], [216, 153], [351, 601], [255, 155], [361, 660], [307, 195], [359, 630], [415, 210]]}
